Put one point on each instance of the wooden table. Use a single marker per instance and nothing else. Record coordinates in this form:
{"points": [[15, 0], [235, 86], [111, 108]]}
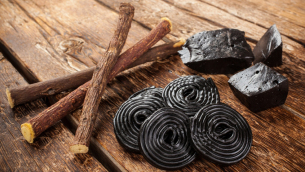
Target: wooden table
{"points": [[41, 40]]}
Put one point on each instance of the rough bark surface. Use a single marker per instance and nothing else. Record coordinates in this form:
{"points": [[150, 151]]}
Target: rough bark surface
{"points": [[76, 98], [27, 93], [50, 152], [99, 79]]}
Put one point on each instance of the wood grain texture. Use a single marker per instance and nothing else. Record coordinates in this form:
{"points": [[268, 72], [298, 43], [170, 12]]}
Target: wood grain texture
{"points": [[285, 13], [48, 153], [60, 37], [277, 133], [260, 13]]}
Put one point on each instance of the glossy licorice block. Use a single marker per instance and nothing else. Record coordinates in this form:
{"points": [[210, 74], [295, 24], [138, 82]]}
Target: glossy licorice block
{"points": [[259, 87], [220, 134], [269, 48], [222, 51]]}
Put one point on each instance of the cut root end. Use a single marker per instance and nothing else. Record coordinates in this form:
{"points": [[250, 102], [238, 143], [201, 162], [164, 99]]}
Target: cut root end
{"points": [[79, 149], [27, 132], [180, 43], [9, 98], [168, 20]]}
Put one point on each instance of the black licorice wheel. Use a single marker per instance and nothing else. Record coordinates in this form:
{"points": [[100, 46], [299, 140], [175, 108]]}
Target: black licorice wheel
{"points": [[190, 93], [163, 139], [150, 91], [129, 118], [220, 134]]}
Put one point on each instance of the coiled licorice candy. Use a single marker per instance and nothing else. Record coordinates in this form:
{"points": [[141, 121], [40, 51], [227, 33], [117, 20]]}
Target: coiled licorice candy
{"points": [[130, 116], [150, 91], [190, 93], [220, 134], [163, 139]]}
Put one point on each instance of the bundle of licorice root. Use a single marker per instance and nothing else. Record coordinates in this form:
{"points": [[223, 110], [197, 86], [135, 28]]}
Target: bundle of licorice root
{"points": [[170, 126], [89, 92]]}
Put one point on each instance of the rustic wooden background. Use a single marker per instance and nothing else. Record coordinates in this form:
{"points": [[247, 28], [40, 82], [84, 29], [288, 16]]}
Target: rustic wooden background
{"points": [[41, 40]]}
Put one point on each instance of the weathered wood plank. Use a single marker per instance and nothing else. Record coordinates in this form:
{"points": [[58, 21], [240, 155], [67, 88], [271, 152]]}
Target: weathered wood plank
{"points": [[149, 12], [270, 132], [267, 13], [59, 37], [288, 11], [50, 152]]}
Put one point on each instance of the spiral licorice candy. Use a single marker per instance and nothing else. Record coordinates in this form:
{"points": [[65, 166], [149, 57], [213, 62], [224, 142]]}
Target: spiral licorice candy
{"points": [[163, 139], [190, 93], [129, 118], [150, 91], [220, 134]]}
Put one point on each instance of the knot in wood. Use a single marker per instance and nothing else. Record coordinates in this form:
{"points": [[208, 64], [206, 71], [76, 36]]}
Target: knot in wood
{"points": [[74, 44]]}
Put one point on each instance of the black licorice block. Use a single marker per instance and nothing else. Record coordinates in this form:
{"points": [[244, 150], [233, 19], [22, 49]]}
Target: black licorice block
{"points": [[222, 51], [259, 87], [269, 48]]}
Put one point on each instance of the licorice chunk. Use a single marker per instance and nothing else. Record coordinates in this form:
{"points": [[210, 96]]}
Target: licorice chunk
{"points": [[163, 139], [268, 49], [224, 51], [190, 93], [259, 87], [220, 134]]}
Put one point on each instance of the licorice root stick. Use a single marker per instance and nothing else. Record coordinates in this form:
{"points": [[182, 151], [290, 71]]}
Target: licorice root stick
{"points": [[99, 81], [26, 93], [35, 126]]}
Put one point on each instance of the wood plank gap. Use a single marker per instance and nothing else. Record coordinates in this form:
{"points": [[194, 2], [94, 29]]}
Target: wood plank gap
{"points": [[167, 40], [70, 122], [194, 15], [43, 154], [293, 39], [95, 148], [293, 111], [28, 75]]}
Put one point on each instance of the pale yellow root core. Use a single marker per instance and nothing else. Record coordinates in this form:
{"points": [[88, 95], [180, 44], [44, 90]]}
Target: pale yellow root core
{"points": [[180, 43], [79, 149], [27, 132], [9, 98], [167, 19]]}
